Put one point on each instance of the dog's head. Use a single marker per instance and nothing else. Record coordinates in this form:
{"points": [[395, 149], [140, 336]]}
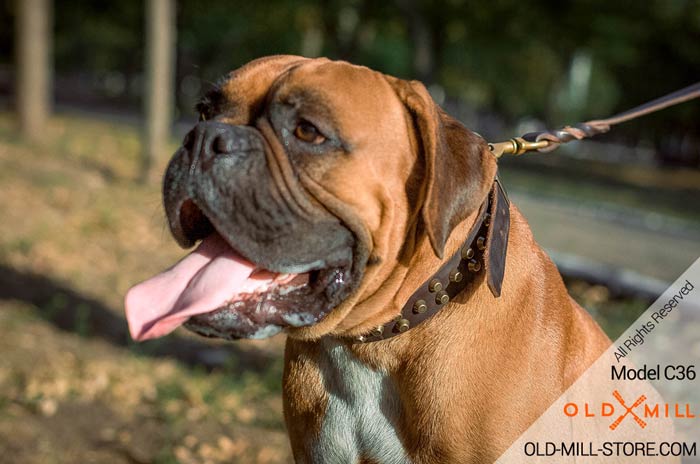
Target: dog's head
{"points": [[307, 181]]}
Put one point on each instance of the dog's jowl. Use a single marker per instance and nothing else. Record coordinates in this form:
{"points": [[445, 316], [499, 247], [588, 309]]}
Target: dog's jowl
{"points": [[345, 208]]}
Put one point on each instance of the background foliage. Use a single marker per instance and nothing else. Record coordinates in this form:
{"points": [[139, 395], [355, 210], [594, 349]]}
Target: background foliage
{"points": [[555, 61]]}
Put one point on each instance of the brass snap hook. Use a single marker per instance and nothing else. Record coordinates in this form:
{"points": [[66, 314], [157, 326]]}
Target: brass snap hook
{"points": [[516, 146]]}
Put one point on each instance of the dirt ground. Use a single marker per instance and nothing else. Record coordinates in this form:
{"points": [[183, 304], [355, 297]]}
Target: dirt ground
{"points": [[76, 231]]}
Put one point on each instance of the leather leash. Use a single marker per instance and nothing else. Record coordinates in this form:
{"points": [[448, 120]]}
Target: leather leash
{"points": [[486, 243], [546, 141]]}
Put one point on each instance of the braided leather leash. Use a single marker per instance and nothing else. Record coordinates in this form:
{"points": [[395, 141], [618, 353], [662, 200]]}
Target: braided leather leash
{"points": [[546, 141]]}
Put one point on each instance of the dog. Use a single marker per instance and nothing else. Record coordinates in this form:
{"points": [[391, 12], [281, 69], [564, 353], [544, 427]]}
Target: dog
{"points": [[344, 207]]}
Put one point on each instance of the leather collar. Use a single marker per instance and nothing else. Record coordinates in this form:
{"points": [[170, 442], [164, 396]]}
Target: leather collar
{"points": [[484, 250]]}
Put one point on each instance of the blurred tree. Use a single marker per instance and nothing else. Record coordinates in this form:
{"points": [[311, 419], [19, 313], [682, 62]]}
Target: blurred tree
{"points": [[424, 39], [33, 66], [158, 92]]}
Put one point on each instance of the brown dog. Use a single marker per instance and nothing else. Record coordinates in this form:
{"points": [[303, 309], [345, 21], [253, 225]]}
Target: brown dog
{"points": [[344, 193]]}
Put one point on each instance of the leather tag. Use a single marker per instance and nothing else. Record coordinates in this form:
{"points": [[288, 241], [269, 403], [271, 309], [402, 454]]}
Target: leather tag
{"points": [[497, 239]]}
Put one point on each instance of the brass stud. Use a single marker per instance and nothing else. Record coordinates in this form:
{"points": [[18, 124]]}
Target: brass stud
{"points": [[442, 298], [455, 275], [487, 219], [377, 331], [419, 307], [401, 326], [481, 243], [435, 286], [467, 252], [474, 265]]}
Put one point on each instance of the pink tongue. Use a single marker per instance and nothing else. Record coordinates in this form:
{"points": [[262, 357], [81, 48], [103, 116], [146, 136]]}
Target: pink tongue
{"points": [[201, 282]]}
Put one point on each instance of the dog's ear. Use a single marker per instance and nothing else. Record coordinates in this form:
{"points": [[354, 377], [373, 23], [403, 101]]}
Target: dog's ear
{"points": [[459, 168]]}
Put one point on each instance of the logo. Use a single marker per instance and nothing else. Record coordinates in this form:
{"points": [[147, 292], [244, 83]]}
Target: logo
{"points": [[640, 411], [628, 410]]}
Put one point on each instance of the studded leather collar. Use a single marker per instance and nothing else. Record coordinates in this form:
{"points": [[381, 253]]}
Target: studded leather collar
{"points": [[484, 250]]}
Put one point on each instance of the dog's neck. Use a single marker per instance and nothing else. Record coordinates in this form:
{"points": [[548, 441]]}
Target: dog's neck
{"points": [[482, 252]]}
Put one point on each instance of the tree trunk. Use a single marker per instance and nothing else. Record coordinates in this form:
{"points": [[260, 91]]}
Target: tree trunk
{"points": [[34, 76], [158, 92], [423, 40]]}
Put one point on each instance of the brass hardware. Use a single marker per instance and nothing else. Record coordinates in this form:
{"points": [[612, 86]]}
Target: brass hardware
{"points": [[487, 219], [377, 331], [467, 253], [435, 286], [516, 146], [419, 307], [503, 148], [442, 298], [481, 243], [455, 275], [401, 326], [474, 265]]}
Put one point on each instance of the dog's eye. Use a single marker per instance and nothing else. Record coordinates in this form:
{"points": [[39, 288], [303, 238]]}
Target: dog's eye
{"points": [[307, 132]]}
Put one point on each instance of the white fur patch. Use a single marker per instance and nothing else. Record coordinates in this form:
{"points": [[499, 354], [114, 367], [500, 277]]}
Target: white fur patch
{"points": [[299, 319], [362, 412], [266, 332]]}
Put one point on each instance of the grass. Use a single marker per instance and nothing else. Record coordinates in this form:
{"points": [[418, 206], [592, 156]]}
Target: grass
{"points": [[73, 213]]}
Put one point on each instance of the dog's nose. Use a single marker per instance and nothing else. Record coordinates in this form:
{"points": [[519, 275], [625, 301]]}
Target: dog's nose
{"points": [[212, 139]]}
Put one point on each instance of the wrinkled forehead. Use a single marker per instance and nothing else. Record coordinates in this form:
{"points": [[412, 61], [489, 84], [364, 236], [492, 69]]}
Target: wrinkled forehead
{"points": [[241, 93], [354, 97]]}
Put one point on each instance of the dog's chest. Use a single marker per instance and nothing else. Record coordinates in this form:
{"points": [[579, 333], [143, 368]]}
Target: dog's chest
{"points": [[362, 412]]}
